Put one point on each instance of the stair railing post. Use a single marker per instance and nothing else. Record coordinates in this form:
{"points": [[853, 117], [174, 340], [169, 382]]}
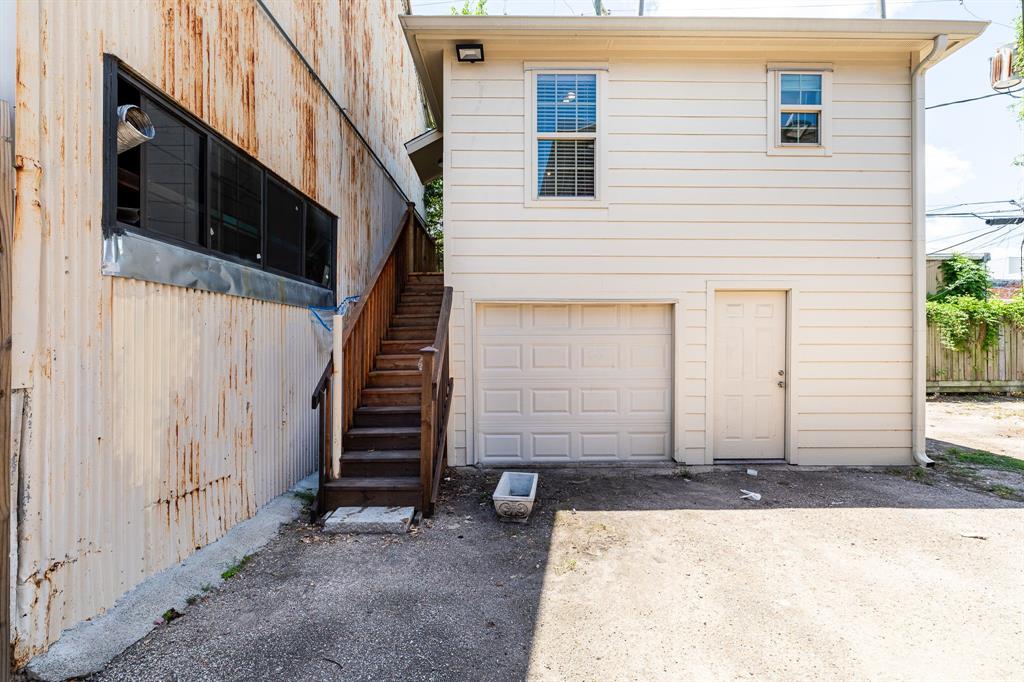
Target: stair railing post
{"points": [[426, 426], [337, 406]]}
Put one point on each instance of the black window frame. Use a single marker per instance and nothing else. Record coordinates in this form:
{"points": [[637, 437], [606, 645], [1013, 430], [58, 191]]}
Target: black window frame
{"points": [[115, 70]]}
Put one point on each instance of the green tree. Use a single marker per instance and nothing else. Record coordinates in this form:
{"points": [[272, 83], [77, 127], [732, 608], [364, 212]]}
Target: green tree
{"points": [[433, 200], [469, 9], [1019, 63], [962, 276]]}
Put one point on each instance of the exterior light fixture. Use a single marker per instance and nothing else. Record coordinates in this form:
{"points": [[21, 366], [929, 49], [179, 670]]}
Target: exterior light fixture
{"points": [[470, 52]]}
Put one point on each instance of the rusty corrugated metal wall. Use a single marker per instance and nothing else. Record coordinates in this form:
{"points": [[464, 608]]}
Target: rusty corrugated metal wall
{"points": [[150, 418]]}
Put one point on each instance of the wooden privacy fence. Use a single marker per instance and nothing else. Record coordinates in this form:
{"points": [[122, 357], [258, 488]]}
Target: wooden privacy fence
{"points": [[1000, 369]]}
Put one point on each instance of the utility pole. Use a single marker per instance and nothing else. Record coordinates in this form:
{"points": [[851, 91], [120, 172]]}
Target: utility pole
{"points": [[641, 8], [599, 9], [881, 8]]}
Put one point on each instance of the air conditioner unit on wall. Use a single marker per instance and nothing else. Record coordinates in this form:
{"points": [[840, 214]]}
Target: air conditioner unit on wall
{"points": [[1004, 71]]}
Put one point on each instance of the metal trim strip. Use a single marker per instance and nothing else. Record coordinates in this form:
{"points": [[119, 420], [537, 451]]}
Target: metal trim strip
{"points": [[135, 256]]}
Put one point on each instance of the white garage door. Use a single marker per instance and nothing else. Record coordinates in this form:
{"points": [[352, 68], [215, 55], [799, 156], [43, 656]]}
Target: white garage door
{"points": [[579, 382]]}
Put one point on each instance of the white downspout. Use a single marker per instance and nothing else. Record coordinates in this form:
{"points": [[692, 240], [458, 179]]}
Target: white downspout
{"points": [[919, 286]]}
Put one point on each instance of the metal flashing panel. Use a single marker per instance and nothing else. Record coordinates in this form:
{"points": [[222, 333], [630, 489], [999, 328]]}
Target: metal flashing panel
{"points": [[138, 257]]}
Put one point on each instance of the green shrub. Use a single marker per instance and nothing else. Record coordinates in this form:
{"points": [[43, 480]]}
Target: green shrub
{"points": [[962, 276], [960, 320]]}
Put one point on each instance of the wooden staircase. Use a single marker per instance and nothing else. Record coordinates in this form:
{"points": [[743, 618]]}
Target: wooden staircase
{"points": [[390, 391], [380, 464]]}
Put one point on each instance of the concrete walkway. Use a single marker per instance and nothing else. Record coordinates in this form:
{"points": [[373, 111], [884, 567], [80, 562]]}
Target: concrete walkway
{"points": [[90, 645], [630, 575]]}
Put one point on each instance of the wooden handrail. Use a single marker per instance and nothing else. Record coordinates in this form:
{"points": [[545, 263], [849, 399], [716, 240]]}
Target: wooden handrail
{"points": [[364, 327], [355, 312], [441, 333], [321, 386], [435, 406]]}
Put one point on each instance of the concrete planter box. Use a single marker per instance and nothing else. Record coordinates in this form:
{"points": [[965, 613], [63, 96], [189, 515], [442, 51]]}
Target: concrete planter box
{"points": [[514, 496]]}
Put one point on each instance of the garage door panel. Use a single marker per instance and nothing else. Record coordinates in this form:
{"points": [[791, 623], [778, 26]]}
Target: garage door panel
{"points": [[648, 398], [550, 401], [574, 382], [552, 444], [503, 402], [501, 357], [550, 317], [550, 356]]}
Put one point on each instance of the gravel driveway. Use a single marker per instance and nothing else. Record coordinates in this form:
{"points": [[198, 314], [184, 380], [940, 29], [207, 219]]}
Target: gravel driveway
{"points": [[631, 575], [993, 423]]}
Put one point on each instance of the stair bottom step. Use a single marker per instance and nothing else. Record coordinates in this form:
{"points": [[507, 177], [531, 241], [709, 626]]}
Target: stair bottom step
{"points": [[367, 491]]}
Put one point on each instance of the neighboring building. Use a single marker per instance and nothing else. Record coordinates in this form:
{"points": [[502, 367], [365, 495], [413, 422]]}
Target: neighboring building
{"points": [[1006, 267], [1006, 288], [935, 261], [688, 239], [163, 354]]}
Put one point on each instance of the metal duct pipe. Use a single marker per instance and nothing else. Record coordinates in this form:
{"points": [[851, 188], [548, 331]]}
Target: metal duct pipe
{"points": [[133, 127]]}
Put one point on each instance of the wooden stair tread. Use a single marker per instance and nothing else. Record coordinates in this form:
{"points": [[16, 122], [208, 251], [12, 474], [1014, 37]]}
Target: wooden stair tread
{"points": [[389, 409], [425, 316], [375, 483], [393, 389], [380, 455], [396, 372], [383, 431]]}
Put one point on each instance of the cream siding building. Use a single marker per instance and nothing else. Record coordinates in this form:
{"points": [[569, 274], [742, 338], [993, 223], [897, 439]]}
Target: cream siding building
{"points": [[740, 276]]}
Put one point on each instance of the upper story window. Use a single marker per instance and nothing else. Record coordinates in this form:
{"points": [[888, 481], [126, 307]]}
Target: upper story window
{"points": [[190, 187], [799, 114], [800, 104], [565, 133]]}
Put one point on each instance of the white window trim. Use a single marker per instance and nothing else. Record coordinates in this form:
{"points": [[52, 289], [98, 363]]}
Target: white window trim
{"points": [[532, 200], [775, 109]]}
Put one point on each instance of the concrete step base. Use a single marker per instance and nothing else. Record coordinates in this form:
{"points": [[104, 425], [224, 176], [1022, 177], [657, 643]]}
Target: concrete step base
{"points": [[369, 520]]}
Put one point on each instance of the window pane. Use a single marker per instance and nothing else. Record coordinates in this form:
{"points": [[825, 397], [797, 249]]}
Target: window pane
{"points": [[565, 168], [236, 204], [319, 229], [173, 177], [800, 89], [545, 103], [129, 166], [566, 103], [284, 229], [799, 128]]}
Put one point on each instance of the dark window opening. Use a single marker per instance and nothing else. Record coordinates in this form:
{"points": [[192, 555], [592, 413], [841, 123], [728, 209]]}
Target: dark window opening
{"points": [[172, 177], [236, 194], [191, 187], [284, 229], [319, 246]]}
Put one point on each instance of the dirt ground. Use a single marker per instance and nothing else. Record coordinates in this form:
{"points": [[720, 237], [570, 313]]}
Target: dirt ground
{"points": [[992, 423], [632, 575]]}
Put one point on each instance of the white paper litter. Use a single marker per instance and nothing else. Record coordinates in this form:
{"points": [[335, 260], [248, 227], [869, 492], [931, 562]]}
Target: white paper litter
{"points": [[751, 472], [747, 495]]}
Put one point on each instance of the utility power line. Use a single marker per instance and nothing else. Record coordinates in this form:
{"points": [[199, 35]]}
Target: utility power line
{"points": [[1011, 93], [947, 248]]}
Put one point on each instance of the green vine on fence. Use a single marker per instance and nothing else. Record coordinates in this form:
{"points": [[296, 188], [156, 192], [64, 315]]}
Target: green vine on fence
{"points": [[962, 309]]}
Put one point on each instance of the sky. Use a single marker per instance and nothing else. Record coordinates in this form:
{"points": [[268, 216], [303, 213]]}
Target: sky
{"points": [[970, 147]]}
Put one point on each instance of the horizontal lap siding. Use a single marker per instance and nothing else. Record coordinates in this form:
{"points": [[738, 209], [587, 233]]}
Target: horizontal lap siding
{"points": [[693, 196]]}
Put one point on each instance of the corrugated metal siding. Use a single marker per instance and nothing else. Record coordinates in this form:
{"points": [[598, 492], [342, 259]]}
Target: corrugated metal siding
{"points": [[157, 417]]}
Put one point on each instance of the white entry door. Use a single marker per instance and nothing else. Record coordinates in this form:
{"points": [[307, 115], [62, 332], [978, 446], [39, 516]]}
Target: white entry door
{"points": [[749, 375], [559, 382]]}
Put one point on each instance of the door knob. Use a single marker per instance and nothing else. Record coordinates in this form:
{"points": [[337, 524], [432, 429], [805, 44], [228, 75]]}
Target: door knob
{"points": [[782, 384], [782, 372]]}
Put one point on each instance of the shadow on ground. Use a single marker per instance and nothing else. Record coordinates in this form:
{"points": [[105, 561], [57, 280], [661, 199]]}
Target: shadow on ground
{"points": [[627, 574]]}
